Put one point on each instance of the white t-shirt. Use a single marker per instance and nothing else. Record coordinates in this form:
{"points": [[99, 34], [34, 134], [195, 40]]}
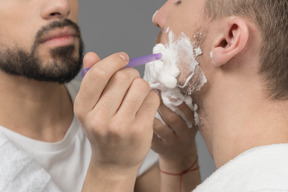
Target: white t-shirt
{"points": [[66, 161], [261, 169]]}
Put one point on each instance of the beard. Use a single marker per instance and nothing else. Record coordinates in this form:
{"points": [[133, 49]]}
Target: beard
{"points": [[62, 66], [189, 86], [191, 78]]}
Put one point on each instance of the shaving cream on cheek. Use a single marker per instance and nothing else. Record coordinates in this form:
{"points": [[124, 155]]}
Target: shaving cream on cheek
{"points": [[164, 74]]}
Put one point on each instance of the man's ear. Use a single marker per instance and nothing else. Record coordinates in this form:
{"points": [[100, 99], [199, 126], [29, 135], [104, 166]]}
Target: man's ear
{"points": [[230, 39]]}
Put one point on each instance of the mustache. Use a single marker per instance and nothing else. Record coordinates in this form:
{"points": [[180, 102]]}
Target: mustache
{"points": [[57, 24]]}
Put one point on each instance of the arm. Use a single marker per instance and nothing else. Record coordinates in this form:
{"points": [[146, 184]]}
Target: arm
{"points": [[106, 179], [149, 181], [177, 150], [116, 109]]}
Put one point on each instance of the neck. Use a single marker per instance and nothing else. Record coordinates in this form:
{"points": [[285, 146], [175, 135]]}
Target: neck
{"points": [[39, 110], [239, 117]]}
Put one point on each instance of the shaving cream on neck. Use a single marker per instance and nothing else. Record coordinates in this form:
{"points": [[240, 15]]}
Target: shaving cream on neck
{"points": [[164, 74]]}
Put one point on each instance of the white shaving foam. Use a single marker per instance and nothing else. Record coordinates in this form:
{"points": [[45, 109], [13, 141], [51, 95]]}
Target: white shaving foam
{"points": [[211, 55], [167, 30], [163, 74]]}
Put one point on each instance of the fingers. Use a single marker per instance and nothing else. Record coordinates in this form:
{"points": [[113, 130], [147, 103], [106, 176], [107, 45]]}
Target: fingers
{"points": [[189, 114], [136, 95], [90, 59], [148, 109], [176, 124], [161, 131], [97, 78], [173, 120], [118, 88]]}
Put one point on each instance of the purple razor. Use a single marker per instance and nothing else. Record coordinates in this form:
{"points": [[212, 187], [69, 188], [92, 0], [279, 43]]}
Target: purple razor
{"points": [[134, 62]]}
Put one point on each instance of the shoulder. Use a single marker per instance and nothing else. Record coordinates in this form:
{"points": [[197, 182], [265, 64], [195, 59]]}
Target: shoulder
{"points": [[19, 171], [257, 169]]}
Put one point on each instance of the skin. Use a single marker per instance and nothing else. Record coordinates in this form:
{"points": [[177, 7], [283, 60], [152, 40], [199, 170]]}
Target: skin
{"points": [[102, 108], [34, 96], [228, 127], [177, 149], [235, 112], [50, 125]]}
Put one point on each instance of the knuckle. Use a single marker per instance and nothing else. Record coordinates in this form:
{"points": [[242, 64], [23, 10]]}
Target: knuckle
{"points": [[123, 128], [98, 73], [135, 72], [122, 76], [97, 122], [126, 74], [117, 123], [116, 129], [141, 85]]}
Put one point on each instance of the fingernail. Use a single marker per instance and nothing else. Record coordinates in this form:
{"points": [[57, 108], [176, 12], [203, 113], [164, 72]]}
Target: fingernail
{"points": [[123, 56]]}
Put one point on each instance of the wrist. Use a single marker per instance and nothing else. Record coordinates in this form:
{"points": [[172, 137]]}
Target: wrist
{"points": [[106, 178], [188, 178], [113, 166], [178, 162], [178, 166]]}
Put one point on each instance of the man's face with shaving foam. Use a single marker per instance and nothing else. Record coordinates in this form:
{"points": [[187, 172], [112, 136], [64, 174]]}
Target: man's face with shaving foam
{"points": [[178, 18], [187, 18]]}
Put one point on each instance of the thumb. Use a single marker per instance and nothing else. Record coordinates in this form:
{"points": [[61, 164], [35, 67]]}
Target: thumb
{"points": [[89, 60]]}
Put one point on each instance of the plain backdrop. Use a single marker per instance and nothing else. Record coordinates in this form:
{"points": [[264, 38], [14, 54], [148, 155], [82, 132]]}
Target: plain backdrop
{"points": [[110, 26]]}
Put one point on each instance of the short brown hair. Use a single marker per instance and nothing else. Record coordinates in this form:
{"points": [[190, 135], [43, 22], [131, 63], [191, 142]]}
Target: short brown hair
{"points": [[271, 17]]}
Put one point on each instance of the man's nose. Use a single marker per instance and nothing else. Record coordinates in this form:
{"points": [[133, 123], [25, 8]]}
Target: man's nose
{"points": [[55, 9], [161, 16]]}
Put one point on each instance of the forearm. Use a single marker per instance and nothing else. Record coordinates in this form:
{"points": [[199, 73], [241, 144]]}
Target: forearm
{"points": [[149, 181], [109, 180]]}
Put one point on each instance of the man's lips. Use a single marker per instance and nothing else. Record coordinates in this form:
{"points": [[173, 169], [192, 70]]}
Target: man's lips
{"points": [[59, 37]]}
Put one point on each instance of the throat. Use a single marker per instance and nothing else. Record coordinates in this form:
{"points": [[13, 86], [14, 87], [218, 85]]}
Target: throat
{"points": [[44, 116]]}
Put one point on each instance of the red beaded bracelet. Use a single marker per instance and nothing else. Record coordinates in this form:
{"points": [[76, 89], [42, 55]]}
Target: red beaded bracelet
{"points": [[190, 169]]}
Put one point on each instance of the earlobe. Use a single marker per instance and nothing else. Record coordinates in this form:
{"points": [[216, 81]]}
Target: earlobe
{"points": [[232, 37]]}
